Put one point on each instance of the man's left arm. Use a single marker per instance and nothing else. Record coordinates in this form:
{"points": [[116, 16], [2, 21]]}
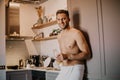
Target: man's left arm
{"points": [[83, 46]]}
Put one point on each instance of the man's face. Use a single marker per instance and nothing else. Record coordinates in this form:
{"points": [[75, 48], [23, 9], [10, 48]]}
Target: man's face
{"points": [[62, 20]]}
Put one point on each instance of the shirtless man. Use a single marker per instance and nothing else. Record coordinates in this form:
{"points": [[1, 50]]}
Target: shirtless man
{"points": [[74, 49]]}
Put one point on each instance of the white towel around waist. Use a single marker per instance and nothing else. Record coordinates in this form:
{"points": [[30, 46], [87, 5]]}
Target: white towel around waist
{"points": [[71, 72]]}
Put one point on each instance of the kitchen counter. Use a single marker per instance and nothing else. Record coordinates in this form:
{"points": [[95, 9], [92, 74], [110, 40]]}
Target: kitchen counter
{"points": [[37, 69], [36, 73]]}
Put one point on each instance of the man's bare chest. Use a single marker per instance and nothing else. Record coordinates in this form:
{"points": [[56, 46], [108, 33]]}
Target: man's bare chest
{"points": [[67, 41]]}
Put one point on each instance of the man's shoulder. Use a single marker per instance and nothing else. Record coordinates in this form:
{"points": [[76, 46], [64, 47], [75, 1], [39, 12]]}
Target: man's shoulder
{"points": [[76, 31]]}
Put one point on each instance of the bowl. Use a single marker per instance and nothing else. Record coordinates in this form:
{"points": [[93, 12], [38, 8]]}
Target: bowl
{"points": [[12, 67]]}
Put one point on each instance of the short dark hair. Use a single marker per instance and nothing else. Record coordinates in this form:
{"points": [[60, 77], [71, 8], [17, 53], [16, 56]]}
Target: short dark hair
{"points": [[62, 11]]}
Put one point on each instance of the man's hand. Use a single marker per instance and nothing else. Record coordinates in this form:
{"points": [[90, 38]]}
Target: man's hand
{"points": [[61, 57]]}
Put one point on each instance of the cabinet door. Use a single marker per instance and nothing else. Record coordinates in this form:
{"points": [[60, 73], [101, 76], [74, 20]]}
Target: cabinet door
{"points": [[111, 29], [38, 75], [51, 75], [12, 20], [19, 75], [83, 14]]}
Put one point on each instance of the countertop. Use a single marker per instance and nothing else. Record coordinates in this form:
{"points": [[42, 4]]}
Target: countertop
{"points": [[37, 69]]}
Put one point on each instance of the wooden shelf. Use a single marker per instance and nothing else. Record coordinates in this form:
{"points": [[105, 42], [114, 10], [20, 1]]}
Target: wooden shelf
{"points": [[40, 26], [44, 25], [18, 38], [46, 38]]}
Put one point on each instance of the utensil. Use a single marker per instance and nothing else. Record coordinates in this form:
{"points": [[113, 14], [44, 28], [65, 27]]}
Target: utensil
{"points": [[47, 62]]}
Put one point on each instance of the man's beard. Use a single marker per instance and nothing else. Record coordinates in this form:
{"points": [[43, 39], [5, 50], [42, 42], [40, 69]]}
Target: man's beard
{"points": [[64, 27]]}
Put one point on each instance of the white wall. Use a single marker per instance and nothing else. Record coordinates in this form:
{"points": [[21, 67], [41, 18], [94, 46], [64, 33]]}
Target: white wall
{"points": [[15, 51], [2, 39], [84, 15], [51, 6], [111, 46], [100, 19], [28, 17]]}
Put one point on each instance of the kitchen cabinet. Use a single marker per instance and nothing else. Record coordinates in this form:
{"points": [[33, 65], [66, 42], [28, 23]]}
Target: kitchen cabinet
{"points": [[51, 75], [31, 74], [19, 75], [38, 75], [12, 19], [100, 20]]}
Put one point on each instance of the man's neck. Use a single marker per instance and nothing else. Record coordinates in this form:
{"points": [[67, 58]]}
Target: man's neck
{"points": [[66, 29]]}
